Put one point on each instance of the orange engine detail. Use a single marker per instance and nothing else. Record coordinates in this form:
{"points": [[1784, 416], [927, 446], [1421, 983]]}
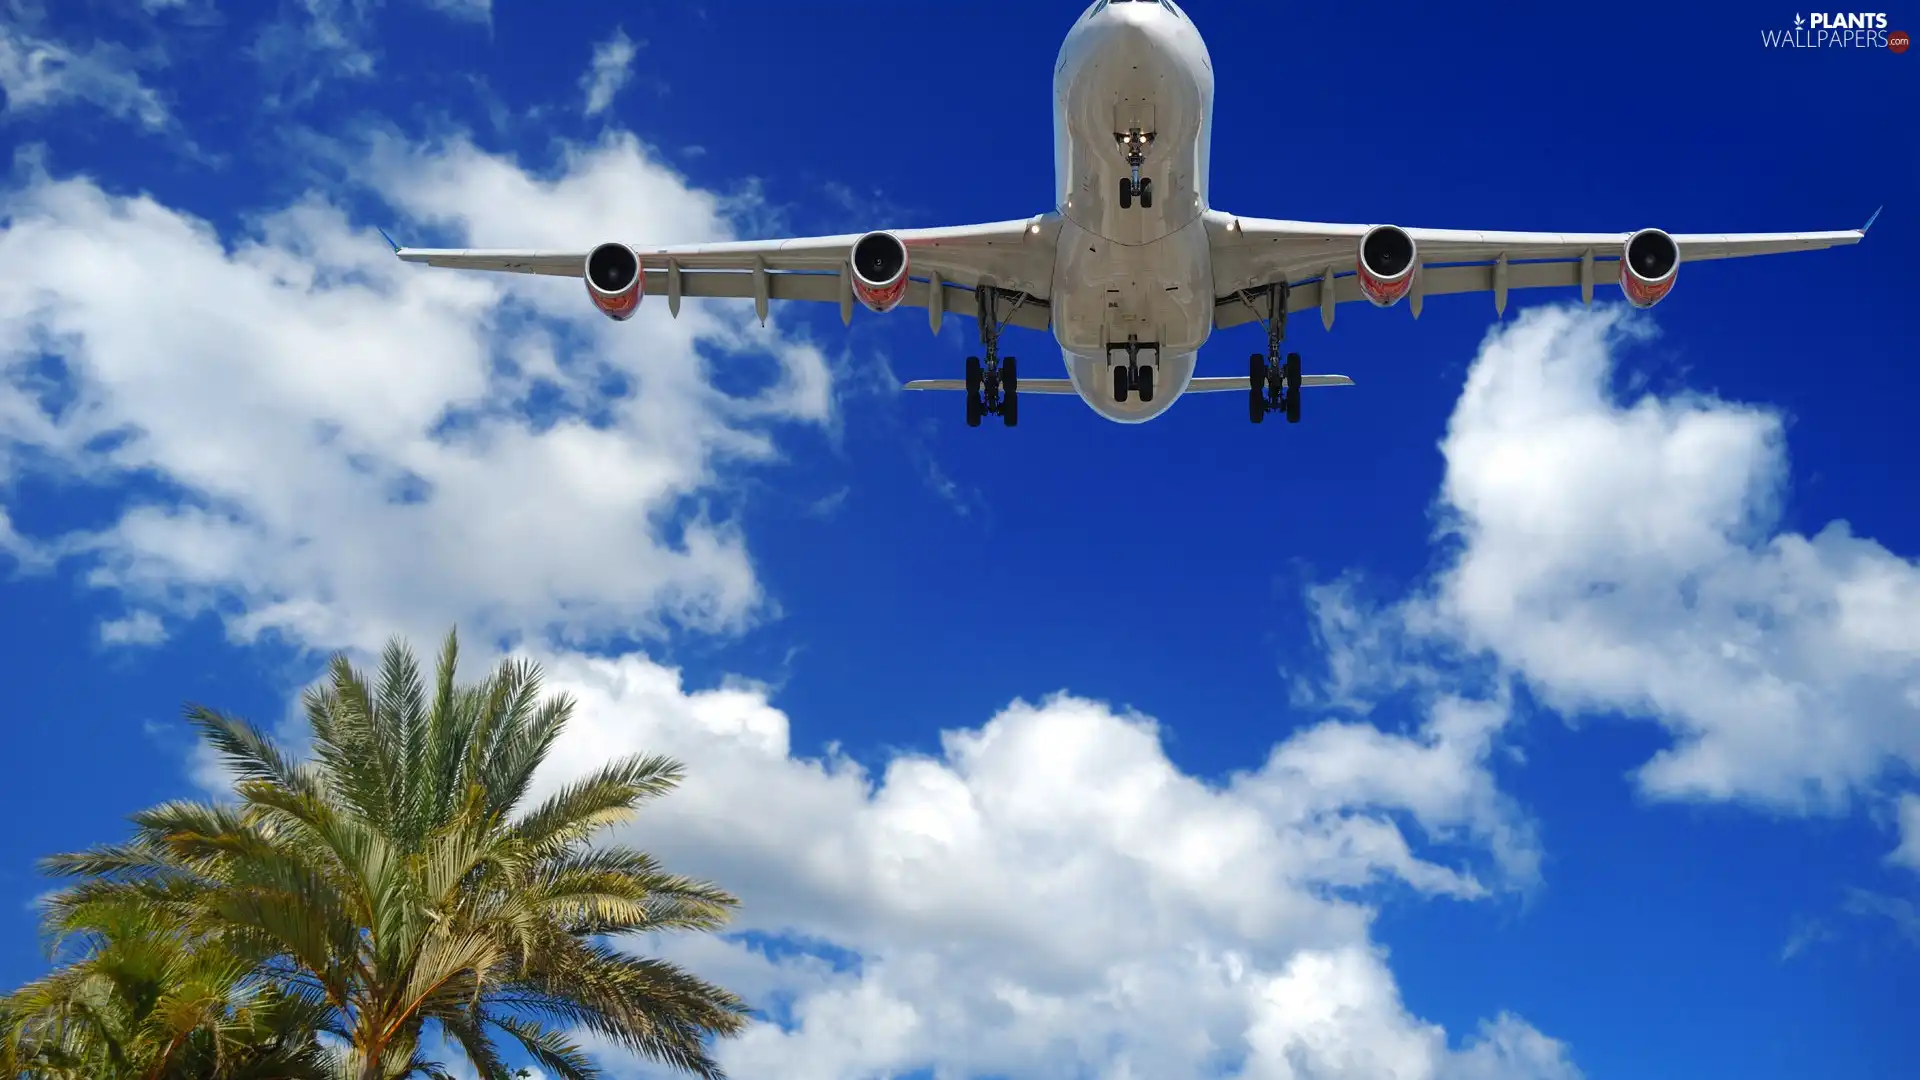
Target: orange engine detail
{"points": [[1386, 264], [880, 271], [1648, 266], [614, 281]]}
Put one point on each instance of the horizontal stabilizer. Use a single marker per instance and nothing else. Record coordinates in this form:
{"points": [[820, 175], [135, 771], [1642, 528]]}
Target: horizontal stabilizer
{"points": [[1025, 386], [1065, 386], [1239, 382]]}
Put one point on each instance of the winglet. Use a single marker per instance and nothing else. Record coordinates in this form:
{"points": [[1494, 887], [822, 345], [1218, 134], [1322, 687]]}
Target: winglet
{"points": [[1870, 221], [388, 239]]}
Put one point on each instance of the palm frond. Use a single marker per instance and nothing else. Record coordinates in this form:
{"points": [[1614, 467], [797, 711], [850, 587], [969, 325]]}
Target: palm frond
{"points": [[249, 752], [468, 1033], [553, 1052], [350, 903], [605, 797]]}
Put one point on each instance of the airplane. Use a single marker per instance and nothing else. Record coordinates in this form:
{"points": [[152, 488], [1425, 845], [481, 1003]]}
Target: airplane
{"points": [[1132, 270]]}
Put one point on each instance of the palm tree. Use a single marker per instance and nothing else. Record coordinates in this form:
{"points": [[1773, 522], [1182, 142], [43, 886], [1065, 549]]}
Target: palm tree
{"points": [[394, 882], [141, 1000]]}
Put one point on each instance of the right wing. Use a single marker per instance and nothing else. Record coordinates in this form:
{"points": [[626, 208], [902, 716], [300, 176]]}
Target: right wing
{"points": [[1015, 257], [1316, 260]]}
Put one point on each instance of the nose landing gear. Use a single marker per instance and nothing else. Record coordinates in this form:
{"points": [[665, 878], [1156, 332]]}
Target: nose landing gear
{"points": [[1134, 142]]}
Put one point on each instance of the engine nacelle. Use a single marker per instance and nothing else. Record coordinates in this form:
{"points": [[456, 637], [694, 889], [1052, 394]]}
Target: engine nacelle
{"points": [[1386, 264], [1648, 266], [614, 281], [880, 271]]}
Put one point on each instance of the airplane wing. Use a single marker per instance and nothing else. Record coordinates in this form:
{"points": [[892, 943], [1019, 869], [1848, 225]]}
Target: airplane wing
{"points": [[945, 267], [1250, 254]]}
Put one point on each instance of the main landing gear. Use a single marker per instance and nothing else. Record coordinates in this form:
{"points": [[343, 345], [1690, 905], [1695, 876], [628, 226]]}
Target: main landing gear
{"points": [[993, 387], [1134, 143], [1131, 377], [1273, 385]]}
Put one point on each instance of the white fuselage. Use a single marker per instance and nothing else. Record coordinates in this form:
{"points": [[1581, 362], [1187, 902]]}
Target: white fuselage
{"points": [[1139, 272]]}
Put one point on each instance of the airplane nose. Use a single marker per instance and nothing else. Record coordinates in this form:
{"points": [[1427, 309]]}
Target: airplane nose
{"points": [[1135, 16], [1124, 27]]}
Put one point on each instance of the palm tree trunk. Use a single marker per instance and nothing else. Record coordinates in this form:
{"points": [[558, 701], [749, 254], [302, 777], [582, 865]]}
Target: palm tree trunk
{"points": [[372, 1062]]}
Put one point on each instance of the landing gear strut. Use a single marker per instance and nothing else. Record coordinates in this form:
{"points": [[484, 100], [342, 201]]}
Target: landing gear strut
{"points": [[1273, 384], [993, 388], [1131, 376], [1134, 143]]}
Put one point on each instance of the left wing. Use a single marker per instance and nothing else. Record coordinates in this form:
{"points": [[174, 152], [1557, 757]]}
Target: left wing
{"points": [[939, 269], [1251, 254]]}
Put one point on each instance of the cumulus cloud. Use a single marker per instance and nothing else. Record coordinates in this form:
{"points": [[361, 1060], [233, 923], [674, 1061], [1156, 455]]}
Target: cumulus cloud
{"points": [[1624, 557], [609, 72], [336, 447], [347, 446], [38, 74], [1049, 895]]}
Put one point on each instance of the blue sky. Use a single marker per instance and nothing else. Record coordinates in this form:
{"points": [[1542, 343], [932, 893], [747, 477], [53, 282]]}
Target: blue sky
{"points": [[1525, 690]]}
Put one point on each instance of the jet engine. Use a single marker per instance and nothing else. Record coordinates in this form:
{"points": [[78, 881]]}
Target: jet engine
{"points": [[614, 281], [1648, 266], [880, 271], [1386, 264]]}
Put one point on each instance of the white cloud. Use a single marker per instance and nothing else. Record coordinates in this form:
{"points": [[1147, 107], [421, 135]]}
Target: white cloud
{"points": [[347, 440], [610, 71], [1806, 934], [1908, 853], [138, 628], [323, 42], [480, 11], [328, 39], [1901, 914], [38, 74], [344, 447], [25, 555], [1050, 895], [1624, 556]]}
